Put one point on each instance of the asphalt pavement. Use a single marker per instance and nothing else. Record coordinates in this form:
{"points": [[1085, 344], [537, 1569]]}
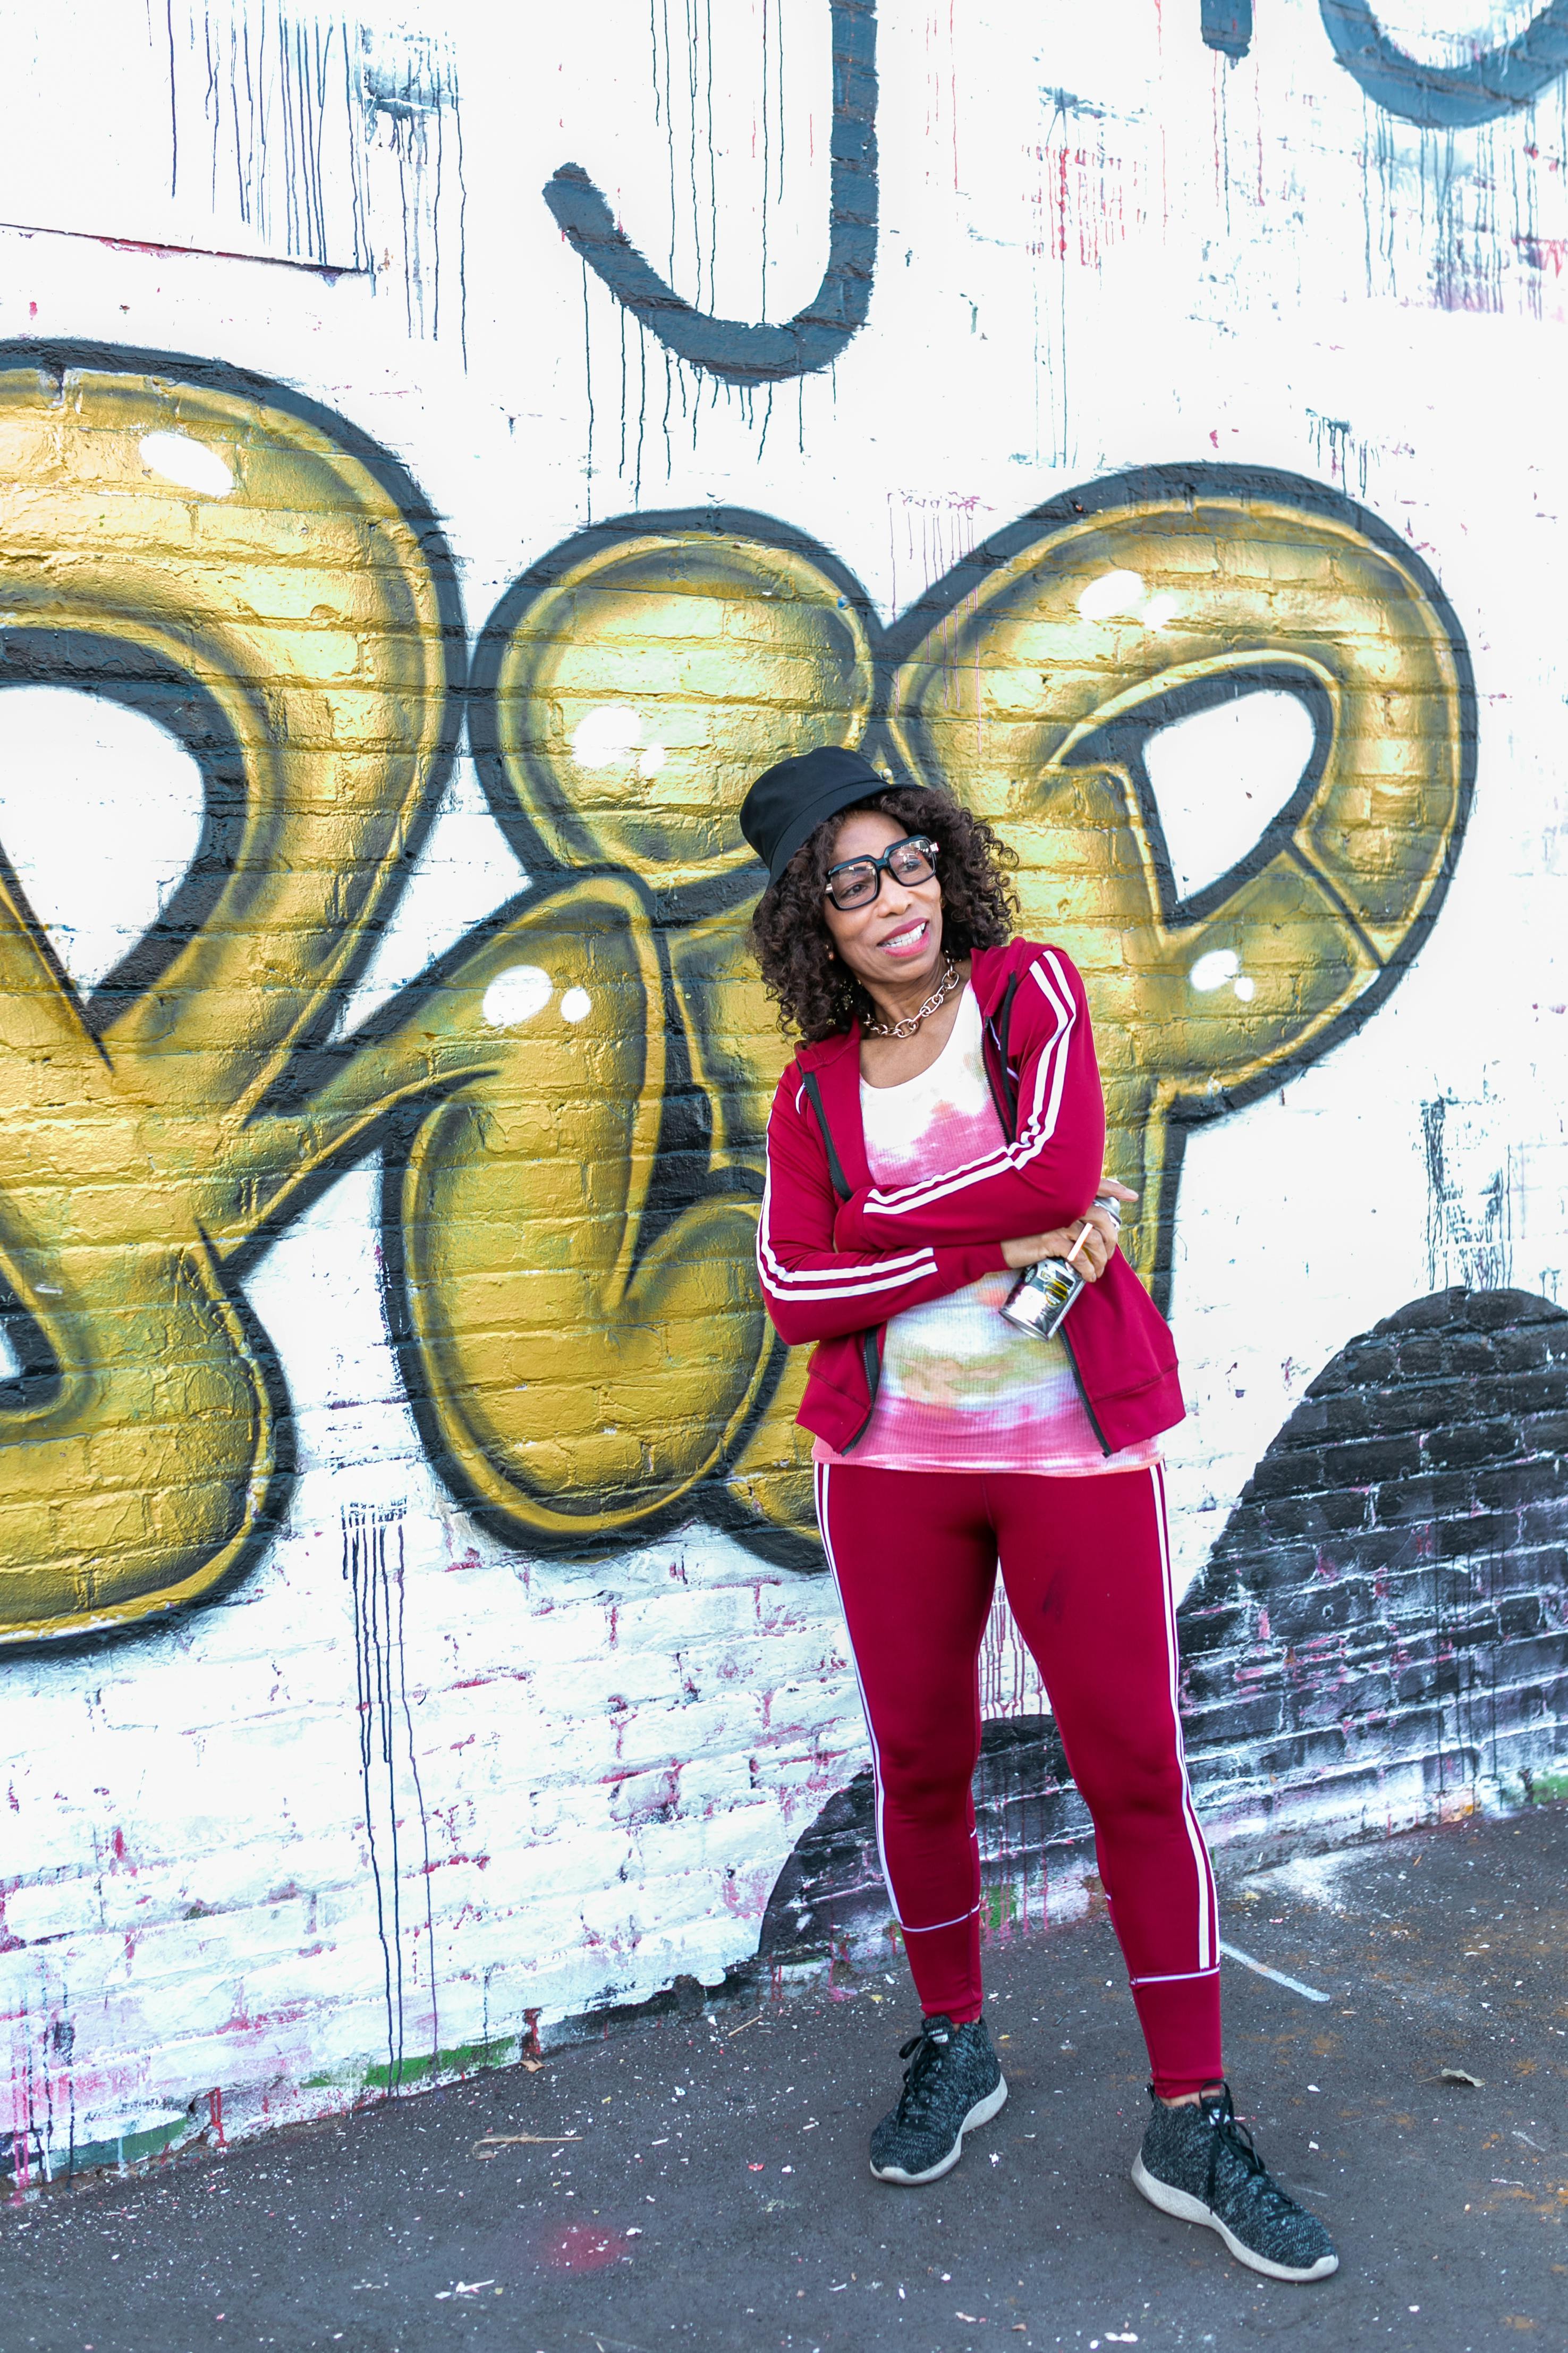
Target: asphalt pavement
{"points": [[700, 2179]]}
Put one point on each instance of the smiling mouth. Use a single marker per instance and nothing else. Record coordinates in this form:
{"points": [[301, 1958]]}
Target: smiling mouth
{"points": [[901, 943]]}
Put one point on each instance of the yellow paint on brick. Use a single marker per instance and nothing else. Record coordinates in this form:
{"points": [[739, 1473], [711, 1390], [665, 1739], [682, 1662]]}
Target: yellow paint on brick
{"points": [[580, 1375]]}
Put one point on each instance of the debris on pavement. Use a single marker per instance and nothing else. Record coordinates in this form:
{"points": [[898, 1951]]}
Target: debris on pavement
{"points": [[398, 2199], [493, 2144]]}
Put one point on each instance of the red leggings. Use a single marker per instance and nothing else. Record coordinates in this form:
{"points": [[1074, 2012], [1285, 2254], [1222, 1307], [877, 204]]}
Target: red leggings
{"points": [[1087, 1570]]}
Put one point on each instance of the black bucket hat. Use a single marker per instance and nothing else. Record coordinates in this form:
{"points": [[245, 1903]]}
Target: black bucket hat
{"points": [[789, 801]]}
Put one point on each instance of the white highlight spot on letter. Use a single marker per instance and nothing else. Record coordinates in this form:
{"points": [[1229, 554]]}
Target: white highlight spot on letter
{"points": [[1113, 592], [190, 463], [515, 996], [615, 734], [1212, 971], [576, 1005], [611, 734]]}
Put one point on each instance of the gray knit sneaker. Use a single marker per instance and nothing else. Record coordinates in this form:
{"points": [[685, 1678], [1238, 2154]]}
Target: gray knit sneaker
{"points": [[952, 2083], [1200, 2165]]}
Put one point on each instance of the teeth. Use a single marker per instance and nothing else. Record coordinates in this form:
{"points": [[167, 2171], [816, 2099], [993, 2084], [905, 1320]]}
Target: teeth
{"points": [[898, 939]]}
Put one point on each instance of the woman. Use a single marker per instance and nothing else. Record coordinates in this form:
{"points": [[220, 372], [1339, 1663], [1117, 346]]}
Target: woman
{"points": [[942, 1126]]}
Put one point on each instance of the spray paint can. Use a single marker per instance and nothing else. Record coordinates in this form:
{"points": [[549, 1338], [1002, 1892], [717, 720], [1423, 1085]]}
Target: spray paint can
{"points": [[1039, 1300]]}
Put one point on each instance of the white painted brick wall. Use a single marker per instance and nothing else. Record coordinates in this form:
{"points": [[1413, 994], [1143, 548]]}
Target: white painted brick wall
{"points": [[611, 1761]]}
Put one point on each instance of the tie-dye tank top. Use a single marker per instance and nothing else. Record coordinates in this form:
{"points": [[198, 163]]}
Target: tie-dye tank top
{"points": [[961, 1388]]}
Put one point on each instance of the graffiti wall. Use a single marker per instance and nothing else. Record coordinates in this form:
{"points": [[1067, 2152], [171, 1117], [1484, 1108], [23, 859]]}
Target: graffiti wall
{"points": [[443, 457]]}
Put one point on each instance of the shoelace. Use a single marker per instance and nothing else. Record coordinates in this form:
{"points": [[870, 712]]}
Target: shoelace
{"points": [[925, 2046], [1231, 2134]]}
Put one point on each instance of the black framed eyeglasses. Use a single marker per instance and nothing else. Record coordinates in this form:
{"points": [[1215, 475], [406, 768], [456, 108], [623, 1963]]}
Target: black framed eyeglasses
{"points": [[855, 881]]}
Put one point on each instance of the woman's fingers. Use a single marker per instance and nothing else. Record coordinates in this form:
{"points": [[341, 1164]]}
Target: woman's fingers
{"points": [[1090, 1251], [1029, 1248], [1093, 1244], [1087, 1244]]}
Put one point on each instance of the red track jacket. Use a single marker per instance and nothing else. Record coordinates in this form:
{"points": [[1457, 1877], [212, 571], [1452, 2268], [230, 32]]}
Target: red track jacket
{"points": [[837, 1255]]}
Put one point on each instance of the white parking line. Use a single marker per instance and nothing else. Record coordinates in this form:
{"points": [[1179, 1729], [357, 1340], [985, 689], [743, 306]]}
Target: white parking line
{"points": [[1234, 1953]]}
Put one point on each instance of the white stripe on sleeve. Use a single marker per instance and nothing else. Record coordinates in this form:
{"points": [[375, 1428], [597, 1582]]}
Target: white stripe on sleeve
{"points": [[1050, 1077]]}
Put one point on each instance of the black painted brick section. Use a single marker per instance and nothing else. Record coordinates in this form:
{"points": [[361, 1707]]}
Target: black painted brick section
{"points": [[830, 1900], [1388, 1596]]}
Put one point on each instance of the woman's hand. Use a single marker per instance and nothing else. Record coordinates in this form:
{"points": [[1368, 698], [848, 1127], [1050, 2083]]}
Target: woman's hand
{"points": [[1089, 1244], [1089, 1256]]}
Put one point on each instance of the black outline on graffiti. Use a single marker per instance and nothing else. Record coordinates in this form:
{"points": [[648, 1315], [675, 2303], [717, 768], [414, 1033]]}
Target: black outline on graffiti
{"points": [[126, 672], [1448, 98], [892, 646], [471, 689], [1188, 483], [54, 361], [1123, 743], [145, 681], [529, 845], [1226, 25], [683, 1176], [742, 350], [142, 680]]}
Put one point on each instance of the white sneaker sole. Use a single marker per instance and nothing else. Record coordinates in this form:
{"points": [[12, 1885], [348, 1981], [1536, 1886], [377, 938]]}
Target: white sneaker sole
{"points": [[980, 2114], [1187, 2209]]}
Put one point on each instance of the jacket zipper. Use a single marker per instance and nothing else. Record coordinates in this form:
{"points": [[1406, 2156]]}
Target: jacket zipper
{"points": [[1007, 1107], [1093, 1418], [871, 1338], [835, 1177], [871, 1353], [1001, 1095]]}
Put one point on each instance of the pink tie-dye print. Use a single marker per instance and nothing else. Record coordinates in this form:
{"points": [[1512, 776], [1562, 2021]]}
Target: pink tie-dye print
{"points": [[961, 1388]]}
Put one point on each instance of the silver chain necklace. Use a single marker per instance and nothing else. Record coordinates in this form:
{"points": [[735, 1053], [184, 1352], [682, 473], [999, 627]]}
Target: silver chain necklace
{"points": [[911, 1021]]}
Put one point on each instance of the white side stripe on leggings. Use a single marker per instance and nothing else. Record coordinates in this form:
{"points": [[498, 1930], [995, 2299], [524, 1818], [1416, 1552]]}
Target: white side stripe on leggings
{"points": [[1207, 1958], [822, 1471], [1207, 1953], [931, 1926]]}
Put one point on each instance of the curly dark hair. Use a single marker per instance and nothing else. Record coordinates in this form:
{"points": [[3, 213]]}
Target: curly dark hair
{"points": [[817, 996]]}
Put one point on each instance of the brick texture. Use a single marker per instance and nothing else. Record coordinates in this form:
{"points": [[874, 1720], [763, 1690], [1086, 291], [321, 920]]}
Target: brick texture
{"points": [[1380, 1637], [1383, 1628], [416, 1643]]}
